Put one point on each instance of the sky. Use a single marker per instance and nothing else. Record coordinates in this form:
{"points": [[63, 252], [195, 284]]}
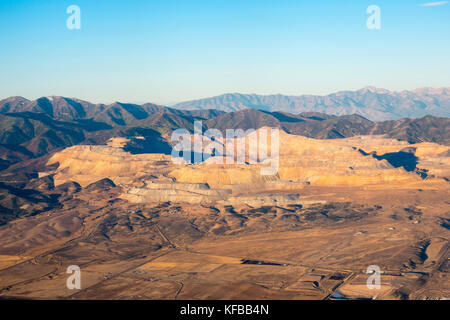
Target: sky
{"points": [[175, 50]]}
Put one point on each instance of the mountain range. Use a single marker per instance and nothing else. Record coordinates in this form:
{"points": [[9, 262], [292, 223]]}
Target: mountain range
{"points": [[372, 103], [31, 129]]}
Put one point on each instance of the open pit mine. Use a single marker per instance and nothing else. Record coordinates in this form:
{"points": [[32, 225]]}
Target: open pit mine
{"points": [[141, 226]]}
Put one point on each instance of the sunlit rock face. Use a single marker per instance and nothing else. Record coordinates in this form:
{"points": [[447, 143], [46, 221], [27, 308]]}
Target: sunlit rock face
{"points": [[363, 161]]}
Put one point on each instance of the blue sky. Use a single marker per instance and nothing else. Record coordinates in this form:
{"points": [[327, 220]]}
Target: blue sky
{"points": [[174, 50]]}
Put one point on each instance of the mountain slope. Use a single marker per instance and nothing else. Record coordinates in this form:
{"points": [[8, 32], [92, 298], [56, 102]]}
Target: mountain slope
{"points": [[429, 128], [26, 135], [117, 113], [30, 129], [55, 107], [371, 103]]}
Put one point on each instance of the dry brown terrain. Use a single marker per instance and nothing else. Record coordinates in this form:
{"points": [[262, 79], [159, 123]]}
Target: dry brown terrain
{"points": [[208, 231]]}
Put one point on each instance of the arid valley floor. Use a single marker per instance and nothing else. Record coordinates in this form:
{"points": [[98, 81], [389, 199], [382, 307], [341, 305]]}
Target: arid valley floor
{"points": [[141, 227], [224, 159]]}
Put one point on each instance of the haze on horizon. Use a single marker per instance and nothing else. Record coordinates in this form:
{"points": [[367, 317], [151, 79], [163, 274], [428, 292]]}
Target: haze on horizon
{"points": [[171, 51]]}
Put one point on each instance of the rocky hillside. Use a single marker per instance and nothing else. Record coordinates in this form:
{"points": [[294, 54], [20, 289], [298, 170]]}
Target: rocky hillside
{"points": [[322, 126], [372, 103], [30, 129]]}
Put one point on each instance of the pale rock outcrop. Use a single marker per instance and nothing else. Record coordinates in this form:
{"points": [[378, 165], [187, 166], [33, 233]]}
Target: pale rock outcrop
{"points": [[351, 162]]}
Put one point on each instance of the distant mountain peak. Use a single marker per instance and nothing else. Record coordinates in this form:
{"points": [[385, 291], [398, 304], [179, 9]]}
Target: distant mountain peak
{"points": [[374, 89], [431, 90], [376, 104]]}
